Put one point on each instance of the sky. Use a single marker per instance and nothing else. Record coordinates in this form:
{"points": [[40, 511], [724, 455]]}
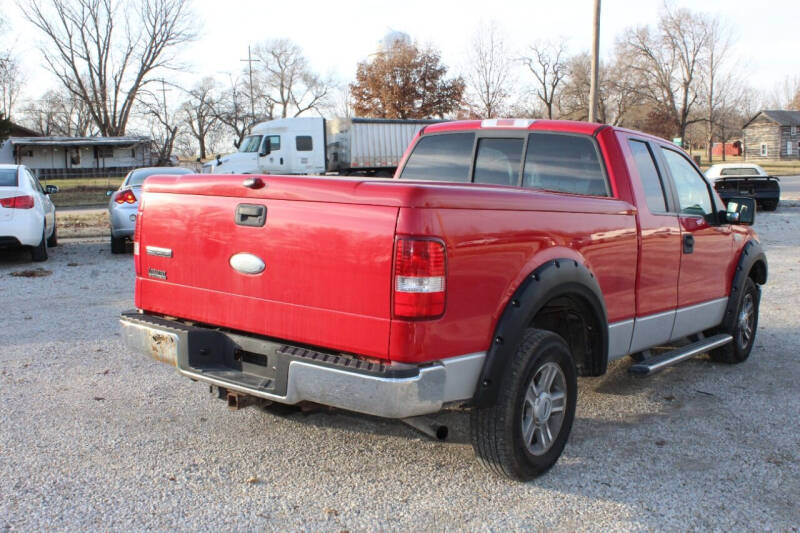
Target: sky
{"points": [[335, 36]]}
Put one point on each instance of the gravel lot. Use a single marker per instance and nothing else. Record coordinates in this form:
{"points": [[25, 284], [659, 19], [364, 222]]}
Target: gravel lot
{"points": [[94, 437]]}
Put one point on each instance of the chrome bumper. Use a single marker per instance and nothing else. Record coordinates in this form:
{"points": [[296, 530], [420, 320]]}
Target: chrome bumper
{"points": [[424, 392]]}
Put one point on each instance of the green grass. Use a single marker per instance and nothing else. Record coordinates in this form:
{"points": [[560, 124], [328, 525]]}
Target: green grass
{"points": [[82, 191]]}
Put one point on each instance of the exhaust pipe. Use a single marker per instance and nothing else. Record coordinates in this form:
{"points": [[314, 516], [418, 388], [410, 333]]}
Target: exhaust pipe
{"points": [[426, 427]]}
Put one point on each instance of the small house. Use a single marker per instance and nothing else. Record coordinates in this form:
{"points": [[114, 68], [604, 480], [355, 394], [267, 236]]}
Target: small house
{"points": [[64, 157], [772, 134]]}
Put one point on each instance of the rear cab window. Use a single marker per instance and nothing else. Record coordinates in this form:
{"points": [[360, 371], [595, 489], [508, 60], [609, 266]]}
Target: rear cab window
{"points": [[654, 190], [549, 161], [444, 157], [563, 162], [8, 177]]}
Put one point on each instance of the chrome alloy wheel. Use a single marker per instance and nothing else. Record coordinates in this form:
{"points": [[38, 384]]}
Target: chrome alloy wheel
{"points": [[543, 408], [747, 318]]}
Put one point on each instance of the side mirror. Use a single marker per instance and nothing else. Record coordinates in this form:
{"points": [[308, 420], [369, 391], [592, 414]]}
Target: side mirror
{"points": [[51, 189], [109, 193], [741, 211]]}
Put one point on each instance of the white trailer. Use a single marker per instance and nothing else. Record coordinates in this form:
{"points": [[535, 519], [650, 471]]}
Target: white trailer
{"points": [[317, 146]]}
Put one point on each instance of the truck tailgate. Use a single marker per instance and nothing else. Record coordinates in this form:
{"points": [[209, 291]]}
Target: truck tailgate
{"points": [[326, 276]]}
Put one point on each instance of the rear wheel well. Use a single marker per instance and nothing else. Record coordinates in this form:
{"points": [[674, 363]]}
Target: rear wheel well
{"points": [[572, 317]]}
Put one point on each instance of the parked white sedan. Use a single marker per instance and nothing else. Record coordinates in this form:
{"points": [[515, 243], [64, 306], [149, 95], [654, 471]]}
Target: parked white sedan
{"points": [[27, 215]]}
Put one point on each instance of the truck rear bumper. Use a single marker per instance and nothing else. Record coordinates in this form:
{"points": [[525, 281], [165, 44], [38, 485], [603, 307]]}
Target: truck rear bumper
{"points": [[277, 371]]}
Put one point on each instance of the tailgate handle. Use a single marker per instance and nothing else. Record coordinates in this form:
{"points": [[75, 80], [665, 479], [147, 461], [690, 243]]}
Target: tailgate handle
{"points": [[251, 215]]}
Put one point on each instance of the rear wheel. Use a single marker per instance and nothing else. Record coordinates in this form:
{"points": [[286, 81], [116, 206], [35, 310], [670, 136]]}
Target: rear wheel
{"points": [[52, 240], [770, 205], [743, 329], [39, 252], [524, 433], [117, 245]]}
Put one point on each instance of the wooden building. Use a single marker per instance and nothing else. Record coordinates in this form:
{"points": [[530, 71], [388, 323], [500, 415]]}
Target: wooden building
{"points": [[772, 134]]}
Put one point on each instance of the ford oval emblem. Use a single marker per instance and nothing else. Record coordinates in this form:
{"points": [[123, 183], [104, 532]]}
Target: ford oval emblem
{"points": [[247, 263]]}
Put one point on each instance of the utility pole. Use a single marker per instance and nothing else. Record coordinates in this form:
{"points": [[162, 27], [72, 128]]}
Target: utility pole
{"points": [[250, 62], [593, 96]]}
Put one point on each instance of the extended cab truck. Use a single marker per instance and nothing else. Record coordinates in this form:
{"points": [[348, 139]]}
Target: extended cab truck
{"points": [[506, 258]]}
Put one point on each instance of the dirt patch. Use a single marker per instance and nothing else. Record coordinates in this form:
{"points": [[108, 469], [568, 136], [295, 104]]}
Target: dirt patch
{"points": [[32, 273], [78, 224]]}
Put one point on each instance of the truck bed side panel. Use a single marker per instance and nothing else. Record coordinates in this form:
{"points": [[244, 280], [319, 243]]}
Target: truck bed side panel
{"points": [[489, 252]]}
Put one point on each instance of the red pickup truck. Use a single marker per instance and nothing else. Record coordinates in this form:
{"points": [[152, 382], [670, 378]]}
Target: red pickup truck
{"points": [[506, 258]]}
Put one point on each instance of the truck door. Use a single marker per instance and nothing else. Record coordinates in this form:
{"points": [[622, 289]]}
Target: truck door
{"points": [[660, 246], [273, 162], [706, 246]]}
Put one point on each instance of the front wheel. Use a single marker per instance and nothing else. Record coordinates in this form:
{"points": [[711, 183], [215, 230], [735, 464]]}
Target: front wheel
{"points": [[743, 328], [523, 434], [770, 205]]}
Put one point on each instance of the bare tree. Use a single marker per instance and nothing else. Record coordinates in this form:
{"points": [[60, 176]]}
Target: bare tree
{"points": [[162, 121], [719, 82], [104, 52], [548, 64], [670, 61], [284, 78], [199, 117], [11, 78], [488, 73], [58, 112], [232, 109], [785, 94]]}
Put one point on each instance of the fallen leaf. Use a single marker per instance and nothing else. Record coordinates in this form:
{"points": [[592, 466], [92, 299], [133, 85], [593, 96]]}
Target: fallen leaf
{"points": [[660, 442], [171, 478], [99, 398], [331, 512], [252, 480], [72, 264]]}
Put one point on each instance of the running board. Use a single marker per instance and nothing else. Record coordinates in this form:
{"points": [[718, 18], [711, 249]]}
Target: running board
{"points": [[660, 362]]}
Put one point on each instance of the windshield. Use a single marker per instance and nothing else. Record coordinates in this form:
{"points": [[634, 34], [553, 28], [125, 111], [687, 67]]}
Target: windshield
{"points": [[137, 177], [250, 143], [8, 177]]}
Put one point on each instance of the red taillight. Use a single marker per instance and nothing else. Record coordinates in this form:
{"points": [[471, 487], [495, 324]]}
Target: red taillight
{"points": [[419, 278], [17, 202], [125, 197]]}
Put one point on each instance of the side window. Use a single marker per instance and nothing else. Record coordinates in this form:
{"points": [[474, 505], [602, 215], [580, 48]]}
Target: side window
{"points": [[444, 157], [303, 143], [274, 142], [651, 180], [564, 163], [693, 195], [34, 182], [498, 161]]}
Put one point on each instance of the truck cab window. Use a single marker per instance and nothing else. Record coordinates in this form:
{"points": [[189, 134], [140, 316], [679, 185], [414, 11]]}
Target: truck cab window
{"points": [[564, 163], [648, 173], [274, 142], [497, 162], [693, 195], [250, 143], [443, 157]]}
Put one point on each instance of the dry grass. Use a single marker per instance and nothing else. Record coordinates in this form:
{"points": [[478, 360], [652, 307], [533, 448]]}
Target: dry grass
{"points": [[83, 224]]}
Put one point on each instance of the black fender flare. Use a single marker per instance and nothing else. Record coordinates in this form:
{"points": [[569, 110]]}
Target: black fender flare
{"points": [[550, 280], [752, 256]]}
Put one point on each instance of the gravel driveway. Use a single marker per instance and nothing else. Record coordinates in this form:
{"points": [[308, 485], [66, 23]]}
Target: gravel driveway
{"points": [[93, 437]]}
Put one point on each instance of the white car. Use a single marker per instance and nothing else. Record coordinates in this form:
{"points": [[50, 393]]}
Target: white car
{"points": [[27, 215], [734, 170]]}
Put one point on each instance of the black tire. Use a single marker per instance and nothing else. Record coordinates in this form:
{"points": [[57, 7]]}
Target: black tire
{"points": [[118, 245], [39, 252], [497, 431], [52, 240], [743, 329], [769, 205]]}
